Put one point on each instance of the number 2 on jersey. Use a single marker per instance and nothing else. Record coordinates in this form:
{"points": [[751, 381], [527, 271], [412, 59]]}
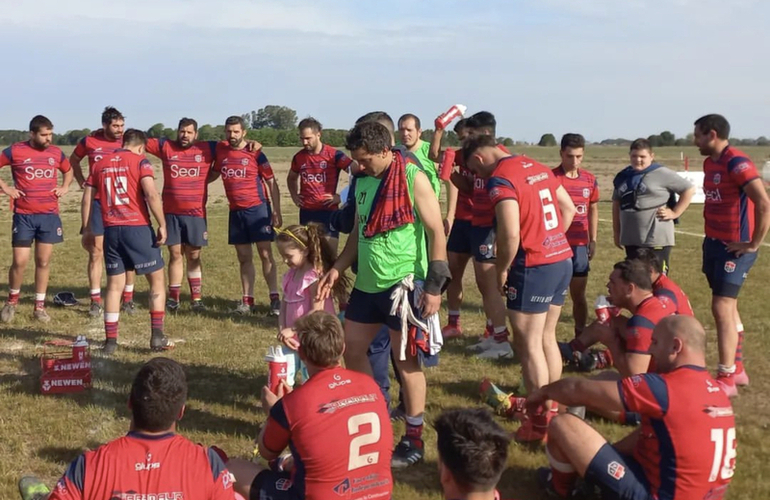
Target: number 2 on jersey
{"points": [[724, 454], [550, 217], [117, 192], [356, 459]]}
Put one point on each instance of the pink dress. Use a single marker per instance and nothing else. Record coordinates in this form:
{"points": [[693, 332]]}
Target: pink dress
{"points": [[297, 298]]}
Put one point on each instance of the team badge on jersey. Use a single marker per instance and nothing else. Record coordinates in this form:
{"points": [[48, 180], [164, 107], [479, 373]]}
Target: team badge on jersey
{"points": [[58, 231], [616, 470], [198, 158], [512, 293], [323, 164], [717, 178], [51, 161], [245, 162], [586, 193]]}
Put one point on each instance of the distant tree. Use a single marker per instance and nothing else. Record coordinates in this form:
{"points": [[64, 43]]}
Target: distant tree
{"points": [[272, 116], [156, 131], [547, 140], [169, 133], [667, 138], [655, 141], [507, 142], [763, 141], [209, 133]]}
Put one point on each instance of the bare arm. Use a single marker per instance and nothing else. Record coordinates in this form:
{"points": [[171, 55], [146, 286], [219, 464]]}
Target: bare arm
{"points": [[213, 174], [508, 237], [685, 198], [156, 207], [566, 206], [435, 145], [350, 252], [593, 228], [291, 182], [462, 182], [64, 188], [275, 195], [85, 209], [757, 194], [429, 211], [77, 170], [577, 391]]}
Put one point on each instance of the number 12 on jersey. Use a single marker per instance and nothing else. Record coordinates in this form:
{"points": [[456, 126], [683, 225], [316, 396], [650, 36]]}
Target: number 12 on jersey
{"points": [[116, 189]]}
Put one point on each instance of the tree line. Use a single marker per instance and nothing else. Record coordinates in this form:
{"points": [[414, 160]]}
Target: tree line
{"points": [[275, 125]]}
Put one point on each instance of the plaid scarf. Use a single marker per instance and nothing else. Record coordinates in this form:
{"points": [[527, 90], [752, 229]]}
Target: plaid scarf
{"points": [[392, 206]]}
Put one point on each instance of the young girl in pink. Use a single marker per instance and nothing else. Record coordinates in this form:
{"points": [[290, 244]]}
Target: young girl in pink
{"points": [[308, 255]]}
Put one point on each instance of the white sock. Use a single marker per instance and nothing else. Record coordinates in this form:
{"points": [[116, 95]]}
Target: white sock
{"points": [[414, 421], [111, 317], [556, 465], [128, 288], [726, 369]]}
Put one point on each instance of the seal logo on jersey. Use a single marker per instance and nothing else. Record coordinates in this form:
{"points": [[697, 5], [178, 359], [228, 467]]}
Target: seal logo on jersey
{"points": [[729, 266], [616, 470]]}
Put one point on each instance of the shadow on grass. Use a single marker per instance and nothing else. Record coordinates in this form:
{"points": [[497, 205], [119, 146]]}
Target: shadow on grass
{"points": [[220, 308], [62, 454], [207, 384]]}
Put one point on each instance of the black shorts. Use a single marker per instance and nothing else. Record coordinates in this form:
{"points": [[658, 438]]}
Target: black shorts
{"points": [[274, 486]]}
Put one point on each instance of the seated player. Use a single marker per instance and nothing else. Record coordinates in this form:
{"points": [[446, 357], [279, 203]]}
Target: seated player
{"points": [[472, 453], [664, 287], [151, 461], [685, 447], [627, 339], [336, 425]]}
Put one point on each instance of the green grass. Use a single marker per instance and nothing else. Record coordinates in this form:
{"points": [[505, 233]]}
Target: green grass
{"points": [[223, 355]]}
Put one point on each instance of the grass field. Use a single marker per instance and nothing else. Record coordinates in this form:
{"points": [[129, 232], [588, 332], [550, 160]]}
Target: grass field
{"points": [[222, 354]]}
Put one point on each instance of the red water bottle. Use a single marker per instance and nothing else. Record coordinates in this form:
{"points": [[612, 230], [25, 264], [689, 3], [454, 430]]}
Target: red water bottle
{"points": [[602, 308], [445, 119], [79, 348], [277, 367], [447, 162]]}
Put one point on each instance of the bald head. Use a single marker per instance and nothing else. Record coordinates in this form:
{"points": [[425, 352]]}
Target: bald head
{"points": [[677, 341]]}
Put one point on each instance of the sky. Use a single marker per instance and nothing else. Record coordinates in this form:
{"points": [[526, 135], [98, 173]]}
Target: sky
{"points": [[603, 68]]}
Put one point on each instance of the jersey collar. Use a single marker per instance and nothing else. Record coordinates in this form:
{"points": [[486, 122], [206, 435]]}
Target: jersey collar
{"points": [[150, 437]]}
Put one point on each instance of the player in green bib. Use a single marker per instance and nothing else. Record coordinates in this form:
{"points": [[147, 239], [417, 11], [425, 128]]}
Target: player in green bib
{"points": [[397, 243], [409, 131]]}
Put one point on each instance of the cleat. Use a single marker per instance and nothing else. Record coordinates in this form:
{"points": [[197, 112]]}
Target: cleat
{"points": [[741, 378], [95, 309], [242, 309], [726, 382], [567, 353], [275, 307], [534, 429], [110, 346], [172, 305], [407, 453], [594, 360], [32, 488], [198, 306], [397, 413], [498, 350], [41, 315], [485, 344], [159, 342], [8, 312], [129, 308], [505, 405], [451, 332]]}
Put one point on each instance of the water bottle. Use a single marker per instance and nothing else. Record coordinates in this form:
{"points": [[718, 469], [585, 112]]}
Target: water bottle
{"points": [[277, 367], [79, 348], [447, 161], [445, 119], [766, 172], [602, 309]]}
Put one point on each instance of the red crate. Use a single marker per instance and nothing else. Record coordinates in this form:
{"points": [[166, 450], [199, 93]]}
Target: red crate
{"points": [[65, 367]]}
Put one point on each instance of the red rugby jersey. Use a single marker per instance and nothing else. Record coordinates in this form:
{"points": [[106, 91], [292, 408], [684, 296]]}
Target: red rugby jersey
{"points": [[464, 207], [117, 179], [687, 443], [34, 172], [142, 467], [638, 334], [584, 190], [728, 212], [95, 146], [670, 294], [319, 175], [534, 187], [483, 208], [243, 174], [185, 171], [340, 436]]}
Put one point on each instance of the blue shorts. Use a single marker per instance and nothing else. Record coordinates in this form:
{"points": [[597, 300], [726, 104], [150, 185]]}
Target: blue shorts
{"points": [[618, 476], [186, 230], [322, 217], [43, 228], [273, 485], [724, 271], [460, 237], [374, 309], [97, 223], [483, 243], [251, 225], [129, 248], [580, 263], [535, 289]]}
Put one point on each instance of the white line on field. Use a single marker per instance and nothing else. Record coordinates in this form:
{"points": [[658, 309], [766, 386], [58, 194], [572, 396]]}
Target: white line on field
{"points": [[686, 233]]}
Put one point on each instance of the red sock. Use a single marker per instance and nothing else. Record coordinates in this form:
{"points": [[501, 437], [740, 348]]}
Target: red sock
{"points": [[502, 336], [128, 294], [563, 482], [156, 320], [454, 318], [274, 296], [13, 297], [414, 432], [739, 354], [195, 283], [96, 296], [248, 300], [111, 325], [174, 291]]}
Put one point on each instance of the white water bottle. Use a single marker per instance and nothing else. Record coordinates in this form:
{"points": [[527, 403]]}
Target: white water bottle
{"points": [[602, 309]]}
